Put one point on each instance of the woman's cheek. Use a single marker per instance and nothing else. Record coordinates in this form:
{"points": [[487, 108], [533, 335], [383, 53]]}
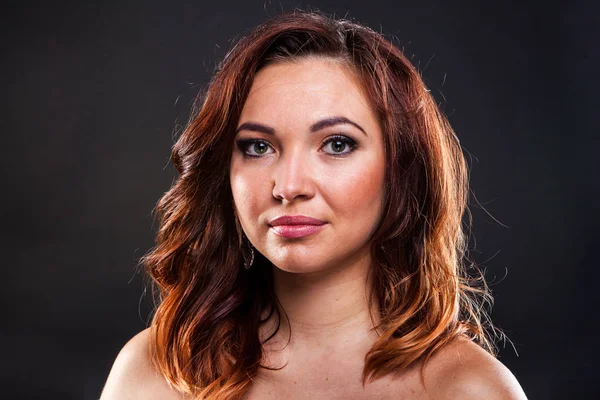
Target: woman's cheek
{"points": [[356, 187], [250, 194]]}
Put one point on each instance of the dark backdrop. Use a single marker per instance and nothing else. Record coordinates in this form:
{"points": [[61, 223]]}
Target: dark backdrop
{"points": [[96, 92]]}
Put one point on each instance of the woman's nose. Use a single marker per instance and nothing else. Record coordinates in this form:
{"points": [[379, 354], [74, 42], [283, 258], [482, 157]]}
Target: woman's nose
{"points": [[293, 177]]}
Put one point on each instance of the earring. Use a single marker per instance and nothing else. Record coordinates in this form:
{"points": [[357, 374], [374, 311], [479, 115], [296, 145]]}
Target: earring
{"points": [[248, 264]]}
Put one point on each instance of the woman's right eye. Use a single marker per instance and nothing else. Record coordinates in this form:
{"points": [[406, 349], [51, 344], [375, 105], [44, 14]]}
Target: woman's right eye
{"points": [[253, 148]]}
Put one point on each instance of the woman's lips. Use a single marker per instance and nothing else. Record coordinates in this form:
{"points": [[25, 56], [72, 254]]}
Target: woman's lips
{"points": [[296, 231]]}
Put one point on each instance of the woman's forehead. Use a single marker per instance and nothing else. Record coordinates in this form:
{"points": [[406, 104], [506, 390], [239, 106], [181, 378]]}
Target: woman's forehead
{"points": [[309, 88], [317, 72]]}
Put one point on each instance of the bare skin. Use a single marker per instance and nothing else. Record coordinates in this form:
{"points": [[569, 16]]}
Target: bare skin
{"points": [[461, 370], [321, 280]]}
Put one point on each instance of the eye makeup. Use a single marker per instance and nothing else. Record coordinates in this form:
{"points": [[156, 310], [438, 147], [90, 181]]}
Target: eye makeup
{"points": [[244, 145]]}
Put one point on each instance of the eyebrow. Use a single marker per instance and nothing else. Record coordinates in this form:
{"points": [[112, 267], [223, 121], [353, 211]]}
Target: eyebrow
{"points": [[322, 124]]}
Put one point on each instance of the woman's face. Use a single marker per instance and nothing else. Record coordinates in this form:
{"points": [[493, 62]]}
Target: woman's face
{"points": [[291, 158]]}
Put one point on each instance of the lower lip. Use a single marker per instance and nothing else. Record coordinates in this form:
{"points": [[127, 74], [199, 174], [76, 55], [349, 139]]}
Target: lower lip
{"points": [[296, 231]]}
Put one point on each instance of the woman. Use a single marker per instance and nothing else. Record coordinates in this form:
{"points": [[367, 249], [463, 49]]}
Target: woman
{"points": [[312, 245]]}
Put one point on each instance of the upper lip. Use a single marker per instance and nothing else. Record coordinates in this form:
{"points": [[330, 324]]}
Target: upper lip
{"points": [[295, 220]]}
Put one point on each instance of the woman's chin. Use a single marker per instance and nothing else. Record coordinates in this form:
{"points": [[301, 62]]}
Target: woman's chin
{"points": [[298, 267]]}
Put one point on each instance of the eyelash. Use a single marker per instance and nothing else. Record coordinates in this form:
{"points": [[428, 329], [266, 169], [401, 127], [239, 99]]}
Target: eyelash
{"points": [[243, 145]]}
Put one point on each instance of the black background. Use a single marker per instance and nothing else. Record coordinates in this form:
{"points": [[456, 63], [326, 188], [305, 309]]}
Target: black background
{"points": [[96, 93]]}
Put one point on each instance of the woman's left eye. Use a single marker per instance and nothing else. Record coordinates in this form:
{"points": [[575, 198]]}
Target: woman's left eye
{"points": [[339, 143]]}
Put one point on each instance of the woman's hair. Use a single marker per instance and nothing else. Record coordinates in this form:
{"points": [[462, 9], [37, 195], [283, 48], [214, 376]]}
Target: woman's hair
{"points": [[205, 331]]}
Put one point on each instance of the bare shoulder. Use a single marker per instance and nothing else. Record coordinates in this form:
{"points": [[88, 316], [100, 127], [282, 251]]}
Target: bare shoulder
{"points": [[133, 376], [463, 370]]}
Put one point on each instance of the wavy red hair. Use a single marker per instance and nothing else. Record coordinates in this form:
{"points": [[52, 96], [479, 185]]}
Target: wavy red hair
{"points": [[204, 334]]}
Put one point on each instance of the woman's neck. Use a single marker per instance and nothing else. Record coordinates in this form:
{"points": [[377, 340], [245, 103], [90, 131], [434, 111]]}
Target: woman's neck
{"points": [[326, 308]]}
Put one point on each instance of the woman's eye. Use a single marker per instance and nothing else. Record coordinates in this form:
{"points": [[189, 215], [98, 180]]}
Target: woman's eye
{"points": [[253, 147], [337, 146], [338, 143]]}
